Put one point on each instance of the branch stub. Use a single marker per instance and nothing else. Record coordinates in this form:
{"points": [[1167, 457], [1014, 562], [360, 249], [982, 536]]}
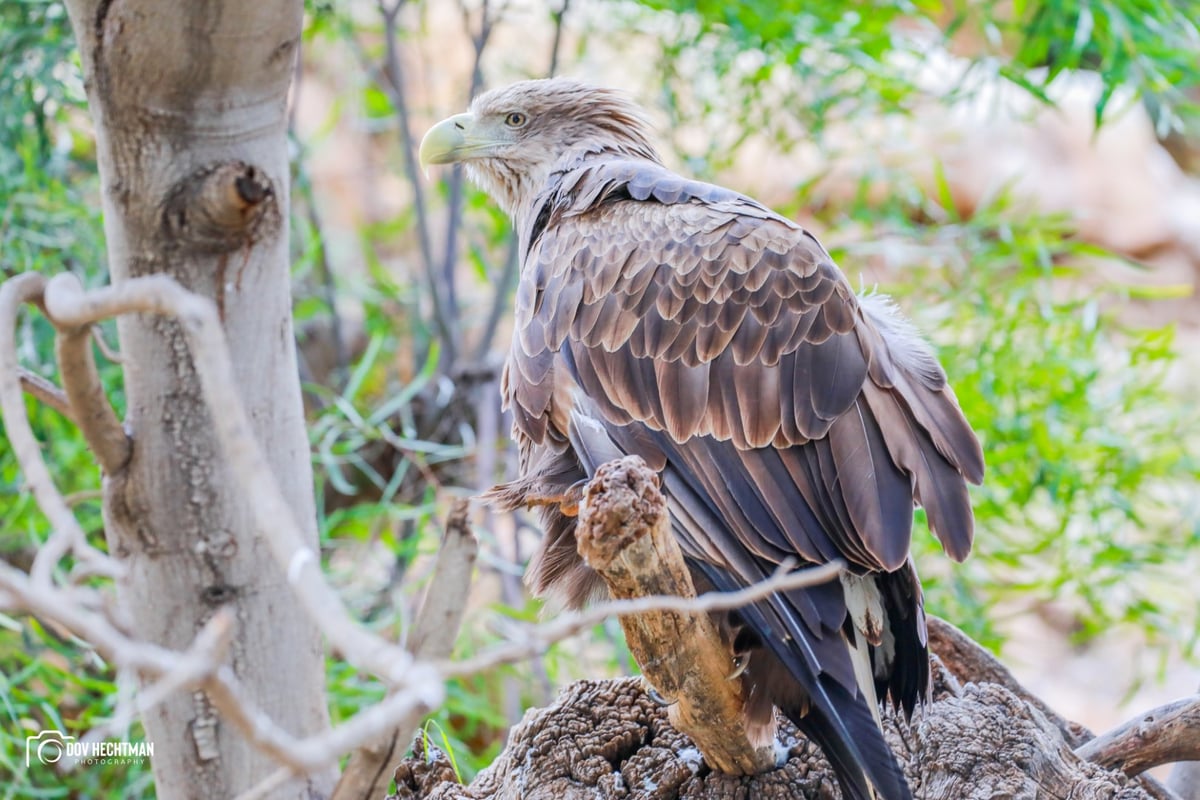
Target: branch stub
{"points": [[221, 208]]}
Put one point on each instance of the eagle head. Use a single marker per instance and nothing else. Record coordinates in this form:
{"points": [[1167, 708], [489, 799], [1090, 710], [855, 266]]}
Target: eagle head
{"points": [[514, 137]]}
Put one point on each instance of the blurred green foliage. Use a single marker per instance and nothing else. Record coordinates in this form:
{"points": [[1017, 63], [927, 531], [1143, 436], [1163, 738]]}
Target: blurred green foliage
{"points": [[846, 55], [1090, 495], [49, 221], [1090, 499]]}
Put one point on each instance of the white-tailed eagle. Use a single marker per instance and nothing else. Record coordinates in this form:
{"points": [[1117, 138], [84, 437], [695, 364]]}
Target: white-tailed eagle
{"points": [[790, 418]]}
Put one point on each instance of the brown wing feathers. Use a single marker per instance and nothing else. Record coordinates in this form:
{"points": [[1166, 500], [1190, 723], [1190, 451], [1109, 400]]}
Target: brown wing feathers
{"points": [[878, 496], [721, 320]]}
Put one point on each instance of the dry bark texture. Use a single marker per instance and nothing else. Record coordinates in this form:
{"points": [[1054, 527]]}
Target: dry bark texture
{"points": [[606, 740], [625, 535]]}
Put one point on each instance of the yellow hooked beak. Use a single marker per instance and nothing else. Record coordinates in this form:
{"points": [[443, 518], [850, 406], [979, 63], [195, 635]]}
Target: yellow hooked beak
{"points": [[448, 141]]}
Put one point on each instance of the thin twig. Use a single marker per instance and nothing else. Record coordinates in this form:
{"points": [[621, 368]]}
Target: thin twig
{"points": [[107, 350], [324, 268], [557, 43], [68, 536], [500, 299], [83, 496], [538, 637], [46, 391], [454, 200], [394, 87]]}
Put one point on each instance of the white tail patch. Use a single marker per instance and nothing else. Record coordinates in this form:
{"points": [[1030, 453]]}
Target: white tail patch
{"points": [[865, 607]]}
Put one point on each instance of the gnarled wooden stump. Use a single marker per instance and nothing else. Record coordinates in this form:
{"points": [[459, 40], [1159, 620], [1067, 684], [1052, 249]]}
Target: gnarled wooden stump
{"points": [[604, 740], [981, 735]]}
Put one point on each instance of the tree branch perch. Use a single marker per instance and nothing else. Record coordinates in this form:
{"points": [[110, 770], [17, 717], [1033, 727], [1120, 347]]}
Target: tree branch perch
{"points": [[624, 534]]}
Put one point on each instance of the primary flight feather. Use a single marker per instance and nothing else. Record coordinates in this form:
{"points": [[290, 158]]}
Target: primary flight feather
{"points": [[790, 418]]}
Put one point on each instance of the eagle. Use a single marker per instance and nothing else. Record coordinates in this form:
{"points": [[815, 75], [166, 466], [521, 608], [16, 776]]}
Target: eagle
{"points": [[790, 419]]}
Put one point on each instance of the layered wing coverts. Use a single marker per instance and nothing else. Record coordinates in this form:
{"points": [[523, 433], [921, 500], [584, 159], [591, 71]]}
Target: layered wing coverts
{"points": [[697, 312]]}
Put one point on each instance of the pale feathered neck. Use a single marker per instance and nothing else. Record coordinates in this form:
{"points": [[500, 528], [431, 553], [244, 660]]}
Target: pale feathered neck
{"points": [[516, 185], [571, 122]]}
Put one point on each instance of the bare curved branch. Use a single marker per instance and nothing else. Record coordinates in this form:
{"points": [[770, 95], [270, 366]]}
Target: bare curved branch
{"points": [[45, 391], [68, 304], [1164, 735], [90, 407]]}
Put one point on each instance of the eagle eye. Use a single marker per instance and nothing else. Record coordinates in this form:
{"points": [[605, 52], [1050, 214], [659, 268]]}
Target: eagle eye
{"points": [[515, 119]]}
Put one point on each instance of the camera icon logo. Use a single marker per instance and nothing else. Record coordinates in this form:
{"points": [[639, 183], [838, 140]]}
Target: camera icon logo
{"points": [[47, 747]]}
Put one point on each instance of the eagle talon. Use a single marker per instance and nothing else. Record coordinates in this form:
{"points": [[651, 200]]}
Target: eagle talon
{"points": [[740, 663], [573, 498], [653, 694]]}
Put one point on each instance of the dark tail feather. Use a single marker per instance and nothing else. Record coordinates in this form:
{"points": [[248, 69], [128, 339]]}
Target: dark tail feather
{"points": [[855, 747], [837, 719], [901, 665]]}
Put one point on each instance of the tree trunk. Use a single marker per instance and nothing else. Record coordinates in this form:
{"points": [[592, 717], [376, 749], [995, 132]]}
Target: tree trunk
{"points": [[189, 105]]}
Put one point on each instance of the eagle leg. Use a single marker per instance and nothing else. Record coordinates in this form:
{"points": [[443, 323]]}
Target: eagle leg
{"points": [[568, 501]]}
